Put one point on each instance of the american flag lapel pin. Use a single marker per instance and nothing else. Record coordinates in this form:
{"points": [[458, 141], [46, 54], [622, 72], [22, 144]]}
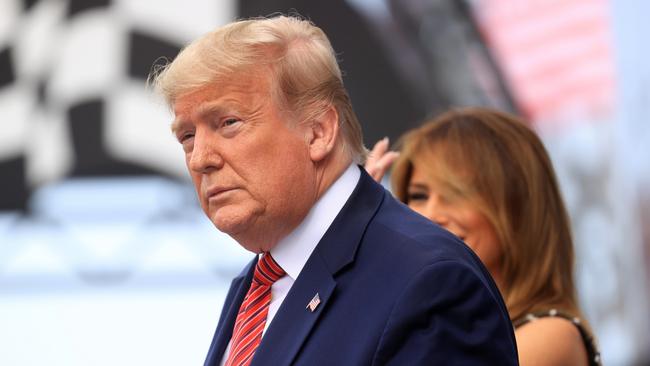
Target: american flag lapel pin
{"points": [[313, 304]]}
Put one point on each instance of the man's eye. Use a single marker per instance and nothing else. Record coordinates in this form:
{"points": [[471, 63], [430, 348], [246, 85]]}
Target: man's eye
{"points": [[230, 122], [184, 137]]}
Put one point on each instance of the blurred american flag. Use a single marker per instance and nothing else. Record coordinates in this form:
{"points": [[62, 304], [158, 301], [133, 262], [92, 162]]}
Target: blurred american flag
{"points": [[555, 55]]}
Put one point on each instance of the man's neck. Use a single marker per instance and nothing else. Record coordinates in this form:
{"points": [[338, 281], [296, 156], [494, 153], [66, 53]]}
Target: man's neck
{"points": [[332, 168]]}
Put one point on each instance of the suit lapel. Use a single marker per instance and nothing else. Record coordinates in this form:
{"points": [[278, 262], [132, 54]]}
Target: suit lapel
{"points": [[235, 297], [294, 321]]}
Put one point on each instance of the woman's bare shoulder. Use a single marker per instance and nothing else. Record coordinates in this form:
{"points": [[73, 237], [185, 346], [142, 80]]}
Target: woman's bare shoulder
{"points": [[551, 341]]}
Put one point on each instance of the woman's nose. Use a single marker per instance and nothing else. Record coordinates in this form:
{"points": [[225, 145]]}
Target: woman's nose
{"points": [[435, 212]]}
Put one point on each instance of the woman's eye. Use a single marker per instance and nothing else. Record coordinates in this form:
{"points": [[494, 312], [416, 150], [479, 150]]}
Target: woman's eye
{"points": [[417, 196]]}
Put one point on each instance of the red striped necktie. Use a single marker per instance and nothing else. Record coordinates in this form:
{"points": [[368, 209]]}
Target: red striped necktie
{"points": [[251, 318]]}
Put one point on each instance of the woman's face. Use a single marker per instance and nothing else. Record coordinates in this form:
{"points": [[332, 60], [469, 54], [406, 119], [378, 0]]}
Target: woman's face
{"points": [[457, 215]]}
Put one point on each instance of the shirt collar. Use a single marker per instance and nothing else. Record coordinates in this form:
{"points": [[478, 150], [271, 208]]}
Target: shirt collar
{"points": [[293, 251]]}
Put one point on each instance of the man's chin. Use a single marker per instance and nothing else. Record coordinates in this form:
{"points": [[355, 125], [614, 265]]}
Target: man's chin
{"points": [[231, 223]]}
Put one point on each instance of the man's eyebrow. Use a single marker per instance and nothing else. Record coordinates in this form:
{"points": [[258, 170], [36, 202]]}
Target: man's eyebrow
{"points": [[201, 111], [176, 125], [210, 108]]}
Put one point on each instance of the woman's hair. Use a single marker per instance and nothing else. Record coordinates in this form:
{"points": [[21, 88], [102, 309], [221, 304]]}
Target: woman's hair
{"points": [[298, 56], [493, 160]]}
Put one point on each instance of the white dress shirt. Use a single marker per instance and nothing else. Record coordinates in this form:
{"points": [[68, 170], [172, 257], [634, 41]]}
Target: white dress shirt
{"points": [[293, 251]]}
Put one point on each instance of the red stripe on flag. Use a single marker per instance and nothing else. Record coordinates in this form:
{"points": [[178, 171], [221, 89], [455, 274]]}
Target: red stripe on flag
{"points": [[552, 53]]}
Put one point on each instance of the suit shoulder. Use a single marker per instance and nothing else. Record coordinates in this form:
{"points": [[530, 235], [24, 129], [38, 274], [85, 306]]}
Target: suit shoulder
{"points": [[411, 242], [397, 227]]}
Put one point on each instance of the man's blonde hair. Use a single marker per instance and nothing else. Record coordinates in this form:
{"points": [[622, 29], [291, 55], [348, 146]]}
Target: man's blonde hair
{"points": [[305, 76]]}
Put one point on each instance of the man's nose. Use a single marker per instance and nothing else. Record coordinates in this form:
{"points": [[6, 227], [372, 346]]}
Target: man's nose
{"points": [[204, 156]]}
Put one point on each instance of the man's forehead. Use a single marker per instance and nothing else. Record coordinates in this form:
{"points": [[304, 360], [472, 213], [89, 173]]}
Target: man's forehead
{"points": [[242, 93], [257, 78], [233, 89]]}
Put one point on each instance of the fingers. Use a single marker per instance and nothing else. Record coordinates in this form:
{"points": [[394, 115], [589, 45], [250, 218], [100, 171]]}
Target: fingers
{"points": [[378, 150], [380, 159], [375, 154], [383, 164]]}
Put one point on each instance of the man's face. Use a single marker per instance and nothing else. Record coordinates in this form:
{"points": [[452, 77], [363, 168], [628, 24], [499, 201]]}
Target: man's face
{"points": [[249, 164]]}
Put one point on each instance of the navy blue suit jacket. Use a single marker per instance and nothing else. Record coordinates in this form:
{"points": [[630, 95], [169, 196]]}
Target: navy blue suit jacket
{"points": [[395, 289]]}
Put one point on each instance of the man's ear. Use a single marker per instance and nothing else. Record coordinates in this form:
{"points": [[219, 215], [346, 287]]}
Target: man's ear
{"points": [[324, 134]]}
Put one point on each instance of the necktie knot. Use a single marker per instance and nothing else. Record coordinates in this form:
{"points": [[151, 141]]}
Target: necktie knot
{"points": [[267, 270]]}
